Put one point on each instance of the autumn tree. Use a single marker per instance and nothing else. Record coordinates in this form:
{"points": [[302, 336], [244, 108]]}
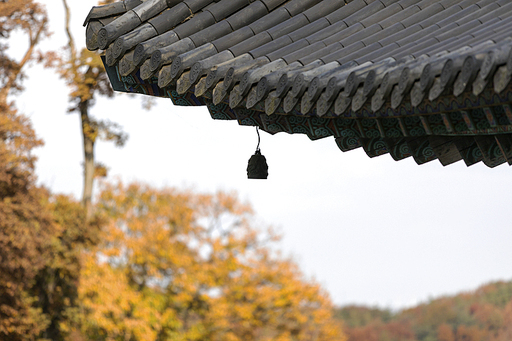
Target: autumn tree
{"points": [[86, 77], [56, 283], [41, 241], [175, 265], [24, 226], [41, 236]]}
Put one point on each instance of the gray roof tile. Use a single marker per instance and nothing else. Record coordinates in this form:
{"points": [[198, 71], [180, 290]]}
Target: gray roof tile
{"points": [[426, 79]]}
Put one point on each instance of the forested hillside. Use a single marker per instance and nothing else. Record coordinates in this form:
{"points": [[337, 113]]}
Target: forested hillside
{"points": [[485, 314]]}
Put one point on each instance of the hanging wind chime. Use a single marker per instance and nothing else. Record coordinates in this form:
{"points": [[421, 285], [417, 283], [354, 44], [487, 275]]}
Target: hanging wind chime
{"points": [[257, 167]]}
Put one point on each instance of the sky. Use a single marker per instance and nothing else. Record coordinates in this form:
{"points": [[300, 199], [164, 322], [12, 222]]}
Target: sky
{"points": [[371, 231]]}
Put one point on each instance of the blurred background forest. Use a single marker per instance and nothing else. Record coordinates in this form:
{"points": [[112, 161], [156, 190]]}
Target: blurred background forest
{"points": [[145, 263]]}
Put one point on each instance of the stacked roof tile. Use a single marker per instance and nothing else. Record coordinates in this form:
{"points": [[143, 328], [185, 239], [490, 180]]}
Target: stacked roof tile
{"points": [[428, 79]]}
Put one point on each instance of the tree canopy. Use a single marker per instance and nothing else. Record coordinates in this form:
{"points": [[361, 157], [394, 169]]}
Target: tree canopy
{"points": [[185, 266]]}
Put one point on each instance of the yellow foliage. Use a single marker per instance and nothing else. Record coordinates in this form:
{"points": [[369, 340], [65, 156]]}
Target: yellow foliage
{"points": [[175, 265]]}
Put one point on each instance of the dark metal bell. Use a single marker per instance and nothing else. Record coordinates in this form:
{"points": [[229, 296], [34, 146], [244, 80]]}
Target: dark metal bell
{"points": [[257, 167]]}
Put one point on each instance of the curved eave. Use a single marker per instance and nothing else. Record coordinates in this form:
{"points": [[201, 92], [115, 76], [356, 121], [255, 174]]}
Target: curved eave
{"points": [[426, 79]]}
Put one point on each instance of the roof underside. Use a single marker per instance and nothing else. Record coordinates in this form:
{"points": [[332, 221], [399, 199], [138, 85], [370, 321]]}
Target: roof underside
{"points": [[422, 78]]}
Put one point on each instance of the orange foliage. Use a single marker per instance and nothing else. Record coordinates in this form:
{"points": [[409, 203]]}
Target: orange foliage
{"points": [[505, 333], [471, 333], [378, 331], [488, 315], [445, 333], [485, 314], [25, 228]]}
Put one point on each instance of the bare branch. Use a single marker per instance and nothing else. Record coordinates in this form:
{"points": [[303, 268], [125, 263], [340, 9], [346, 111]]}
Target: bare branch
{"points": [[71, 40], [15, 69]]}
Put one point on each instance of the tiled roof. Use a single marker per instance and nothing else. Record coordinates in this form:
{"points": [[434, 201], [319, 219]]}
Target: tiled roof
{"points": [[422, 78]]}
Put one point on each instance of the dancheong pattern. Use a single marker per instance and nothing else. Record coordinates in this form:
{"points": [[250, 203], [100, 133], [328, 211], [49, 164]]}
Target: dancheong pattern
{"points": [[401, 132]]}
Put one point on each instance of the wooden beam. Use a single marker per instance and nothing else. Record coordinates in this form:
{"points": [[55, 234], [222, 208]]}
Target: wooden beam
{"points": [[491, 151], [445, 149], [505, 144]]}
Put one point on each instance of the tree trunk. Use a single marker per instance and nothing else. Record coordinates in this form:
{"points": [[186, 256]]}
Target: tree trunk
{"points": [[88, 140]]}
